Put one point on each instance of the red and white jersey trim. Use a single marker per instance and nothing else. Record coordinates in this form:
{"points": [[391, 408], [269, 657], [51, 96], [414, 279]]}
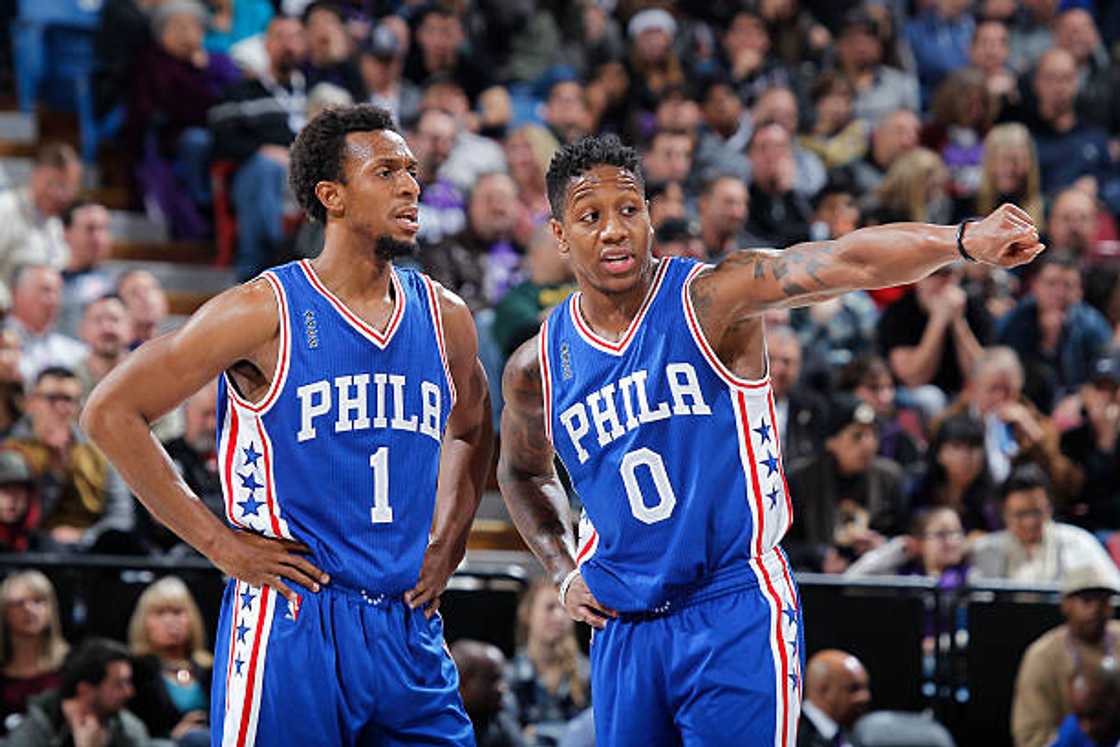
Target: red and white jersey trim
{"points": [[441, 341], [283, 355], [378, 338], [608, 346], [705, 347], [546, 378], [247, 661]]}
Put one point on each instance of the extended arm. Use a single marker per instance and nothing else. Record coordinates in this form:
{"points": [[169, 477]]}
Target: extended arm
{"points": [[152, 381], [749, 282], [468, 445], [530, 486]]}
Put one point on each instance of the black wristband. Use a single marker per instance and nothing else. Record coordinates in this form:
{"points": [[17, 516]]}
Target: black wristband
{"points": [[960, 239]]}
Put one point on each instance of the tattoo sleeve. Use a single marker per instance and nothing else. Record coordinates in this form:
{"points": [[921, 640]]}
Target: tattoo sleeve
{"points": [[527, 476]]}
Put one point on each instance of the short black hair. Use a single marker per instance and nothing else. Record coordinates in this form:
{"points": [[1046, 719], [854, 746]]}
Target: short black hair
{"points": [[55, 372], [1025, 477], [71, 210], [90, 663], [576, 159], [317, 152]]}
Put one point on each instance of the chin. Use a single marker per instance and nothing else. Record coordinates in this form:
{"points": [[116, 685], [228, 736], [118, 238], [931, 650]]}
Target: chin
{"points": [[388, 247]]}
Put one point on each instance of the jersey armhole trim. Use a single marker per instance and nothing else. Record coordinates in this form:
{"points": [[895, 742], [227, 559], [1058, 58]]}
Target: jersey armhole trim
{"points": [[437, 322], [705, 347], [546, 379], [280, 374]]}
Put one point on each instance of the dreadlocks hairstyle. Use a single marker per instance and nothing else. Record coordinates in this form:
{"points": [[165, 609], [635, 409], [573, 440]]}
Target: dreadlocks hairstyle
{"points": [[317, 151], [576, 159]]}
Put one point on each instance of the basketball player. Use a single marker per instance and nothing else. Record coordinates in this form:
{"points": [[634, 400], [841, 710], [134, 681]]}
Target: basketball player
{"points": [[651, 386], [351, 406]]}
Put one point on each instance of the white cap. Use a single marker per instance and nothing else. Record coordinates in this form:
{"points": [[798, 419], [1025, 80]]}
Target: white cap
{"points": [[652, 18]]}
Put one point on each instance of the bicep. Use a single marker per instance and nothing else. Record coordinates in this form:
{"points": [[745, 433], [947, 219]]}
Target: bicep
{"points": [[472, 401], [525, 448]]}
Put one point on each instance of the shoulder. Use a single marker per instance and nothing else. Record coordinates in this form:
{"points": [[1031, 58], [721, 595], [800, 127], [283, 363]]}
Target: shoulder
{"points": [[521, 381], [458, 323], [1041, 648], [888, 469]]}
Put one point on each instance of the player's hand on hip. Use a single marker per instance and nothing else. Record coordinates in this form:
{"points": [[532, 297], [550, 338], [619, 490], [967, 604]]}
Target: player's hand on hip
{"points": [[581, 605], [434, 573], [265, 561], [1008, 237]]}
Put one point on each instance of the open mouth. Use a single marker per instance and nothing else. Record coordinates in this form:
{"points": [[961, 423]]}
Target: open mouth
{"points": [[408, 219], [617, 263]]}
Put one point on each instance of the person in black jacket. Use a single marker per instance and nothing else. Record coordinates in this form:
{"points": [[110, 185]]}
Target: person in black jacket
{"points": [[1095, 445], [800, 411], [254, 125]]}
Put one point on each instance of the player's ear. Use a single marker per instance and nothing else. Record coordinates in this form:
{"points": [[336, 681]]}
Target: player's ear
{"points": [[558, 233], [330, 194]]}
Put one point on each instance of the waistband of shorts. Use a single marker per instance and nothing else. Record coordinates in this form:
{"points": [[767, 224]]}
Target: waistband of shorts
{"points": [[366, 596], [740, 576]]}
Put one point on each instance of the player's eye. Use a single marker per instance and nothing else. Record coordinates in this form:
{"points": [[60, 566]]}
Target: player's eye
{"points": [[590, 217], [629, 210]]}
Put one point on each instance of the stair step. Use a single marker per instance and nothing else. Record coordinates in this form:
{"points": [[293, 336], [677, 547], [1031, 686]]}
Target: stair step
{"points": [[19, 127], [181, 252], [180, 277]]}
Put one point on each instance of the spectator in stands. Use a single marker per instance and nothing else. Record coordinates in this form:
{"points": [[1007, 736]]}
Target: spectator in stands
{"points": [[20, 509], [1055, 333], [124, 30], [746, 57], [441, 50], [31, 643], [174, 83], [668, 158], [1094, 443], [1034, 548], [837, 693], [779, 104], [565, 114], [1073, 224], [989, 54], [472, 155], [880, 89], [678, 237], [330, 50], [483, 261], [381, 61], [1088, 636], [722, 209], [915, 189], [11, 381], [529, 151], [939, 38], [1069, 149], [666, 201], [962, 114], [899, 429], [1094, 699], [37, 291], [895, 135], [836, 330], [146, 303], [549, 676], [722, 139], [518, 316], [800, 411], [836, 136], [86, 230], [171, 666], [1030, 32], [88, 708], [779, 215], [934, 333], [654, 65], [935, 548], [797, 36], [106, 332], [253, 127], [83, 496], [1008, 173], [1076, 32], [235, 20], [484, 692], [835, 212], [30, 227], [956, 475], [847, 499], [442, 207]]}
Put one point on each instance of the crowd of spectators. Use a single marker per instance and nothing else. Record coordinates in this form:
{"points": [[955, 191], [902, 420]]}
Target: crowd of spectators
{"points": [[962, 428]]}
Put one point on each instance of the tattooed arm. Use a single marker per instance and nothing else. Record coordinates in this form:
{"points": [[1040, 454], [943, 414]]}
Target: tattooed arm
{"points": [[749, 282], [530, 486]]}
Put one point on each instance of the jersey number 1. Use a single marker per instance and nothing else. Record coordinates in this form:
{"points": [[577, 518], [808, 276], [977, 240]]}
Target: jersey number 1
{"points": [[382, 512], [666, 498]]}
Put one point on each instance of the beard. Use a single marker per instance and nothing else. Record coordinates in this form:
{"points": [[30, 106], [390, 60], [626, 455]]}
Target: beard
{"points": [[387, 248]]}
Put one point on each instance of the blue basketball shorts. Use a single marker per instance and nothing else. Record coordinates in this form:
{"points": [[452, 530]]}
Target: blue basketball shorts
{"points": [[719, 668], [341, 668]]}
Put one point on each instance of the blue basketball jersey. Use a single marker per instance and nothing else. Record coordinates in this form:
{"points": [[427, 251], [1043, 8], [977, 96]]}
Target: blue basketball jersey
{"points": [[675, 458], [342, 452]]}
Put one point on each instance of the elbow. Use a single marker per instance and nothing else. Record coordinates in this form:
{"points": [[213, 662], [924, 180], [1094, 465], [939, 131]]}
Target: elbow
{"points": [[95, 417]]}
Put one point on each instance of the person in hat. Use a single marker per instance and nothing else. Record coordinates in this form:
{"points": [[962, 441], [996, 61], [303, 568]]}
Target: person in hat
{"points": [[846, 498], [1088, 636], [678, 237], [381, 61], [20, 510], [860, 55], [1095, 445]]}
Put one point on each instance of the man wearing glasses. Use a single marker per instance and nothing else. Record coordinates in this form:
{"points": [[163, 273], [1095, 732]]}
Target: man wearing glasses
{"points": [[83, 496]]}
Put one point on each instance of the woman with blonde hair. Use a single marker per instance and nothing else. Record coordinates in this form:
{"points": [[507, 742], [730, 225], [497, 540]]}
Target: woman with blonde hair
{"points": [[31, 641], [1009, 172], [173, 667], [529, 150], [914, 189], [548, 676]]}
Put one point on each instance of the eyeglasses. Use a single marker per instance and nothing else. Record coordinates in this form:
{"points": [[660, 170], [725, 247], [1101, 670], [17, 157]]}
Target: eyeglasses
{"points": [[946, 535], [56, 398]]}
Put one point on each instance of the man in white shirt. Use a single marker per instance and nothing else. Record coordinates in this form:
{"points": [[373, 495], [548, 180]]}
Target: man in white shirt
{"points": [[36, 297], [30, 227], [837, 693], [1034, 548]]}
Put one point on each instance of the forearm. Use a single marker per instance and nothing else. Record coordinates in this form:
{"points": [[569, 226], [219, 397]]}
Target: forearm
{"points": [[539, 508], [968, 348], [464, 464]]}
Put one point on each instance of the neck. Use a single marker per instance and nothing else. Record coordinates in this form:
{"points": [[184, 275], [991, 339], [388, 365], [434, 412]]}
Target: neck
{"points": [[26, 654], [713, 239], [173, 654], [544, 654], [34, 327], [99, 365], [349, 265], [611, 313], [279, 73], [143, 331]]}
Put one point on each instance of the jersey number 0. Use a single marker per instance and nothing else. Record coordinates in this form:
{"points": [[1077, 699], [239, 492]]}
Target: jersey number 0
{"points": [[666, 498]]}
